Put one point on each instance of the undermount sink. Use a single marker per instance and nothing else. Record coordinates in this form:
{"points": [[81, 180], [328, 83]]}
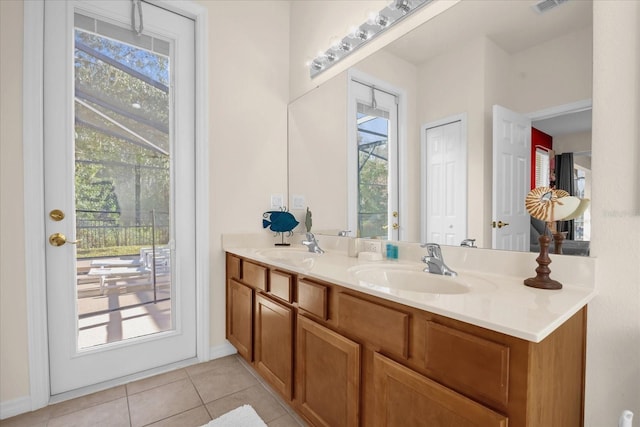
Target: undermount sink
{"points": [[410, 278], [298, 257]]}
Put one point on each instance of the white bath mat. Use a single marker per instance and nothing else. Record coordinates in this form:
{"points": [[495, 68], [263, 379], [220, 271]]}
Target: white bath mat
{"points": [[244, 416]]}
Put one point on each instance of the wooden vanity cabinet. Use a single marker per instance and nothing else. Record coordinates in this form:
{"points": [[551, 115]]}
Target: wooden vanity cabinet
{"points": [[240, 318], [260, 322], [405, 398], [346, 358], [243, 279], [273, 352], [327, 376]]}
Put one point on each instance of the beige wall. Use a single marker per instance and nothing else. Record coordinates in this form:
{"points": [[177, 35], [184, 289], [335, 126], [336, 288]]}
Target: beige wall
{"points": [[248, 97], [318, 170], [613, 342], [541, 77], [14, 368], [577, 142]]}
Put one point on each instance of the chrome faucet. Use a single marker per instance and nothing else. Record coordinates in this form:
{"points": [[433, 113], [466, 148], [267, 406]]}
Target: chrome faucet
{"points": [[312, 244], [344, 233], [470, 243], [435, 262]]}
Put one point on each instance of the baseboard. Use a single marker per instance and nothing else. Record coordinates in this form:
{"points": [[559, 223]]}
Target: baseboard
{"points": [[11, 408], [222, 350]]}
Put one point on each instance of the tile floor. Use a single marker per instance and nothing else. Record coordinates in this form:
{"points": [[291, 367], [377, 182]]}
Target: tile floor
{"points": [[188, 397]]}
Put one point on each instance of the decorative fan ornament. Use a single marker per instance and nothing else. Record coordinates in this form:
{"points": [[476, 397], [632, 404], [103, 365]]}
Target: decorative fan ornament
{"points": [[548, 204]]}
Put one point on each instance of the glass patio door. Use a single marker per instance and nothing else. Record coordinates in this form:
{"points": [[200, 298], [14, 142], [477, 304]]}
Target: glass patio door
{"points": [[119, 190], [374, 205]]}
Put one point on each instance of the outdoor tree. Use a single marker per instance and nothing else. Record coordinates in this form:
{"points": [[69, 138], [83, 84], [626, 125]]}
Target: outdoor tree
{"points": [[122, 133]]}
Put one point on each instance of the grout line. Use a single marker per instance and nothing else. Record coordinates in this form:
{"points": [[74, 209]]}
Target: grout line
{"points": [[272, 392], [128, 406], [198, 393]]}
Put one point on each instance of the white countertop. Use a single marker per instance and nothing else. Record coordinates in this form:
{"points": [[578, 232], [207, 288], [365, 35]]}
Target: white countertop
{"points": [[503, 304]]}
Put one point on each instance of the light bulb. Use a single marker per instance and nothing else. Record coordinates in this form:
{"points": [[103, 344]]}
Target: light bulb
{"points": [[361, 34], [382, 21], [317, 65], [372, 17], [335, 43]]}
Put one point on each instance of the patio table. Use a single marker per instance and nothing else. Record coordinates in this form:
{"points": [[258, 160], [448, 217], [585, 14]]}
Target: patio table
{"points": [[106, 273], [106, 262]]}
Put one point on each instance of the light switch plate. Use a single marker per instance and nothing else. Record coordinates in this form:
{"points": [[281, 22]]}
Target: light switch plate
{"points": [[276, 201], [298, 201], [371, 246]]}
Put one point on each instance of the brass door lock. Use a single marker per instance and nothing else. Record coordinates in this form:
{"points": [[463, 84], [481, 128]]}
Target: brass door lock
{"points": [[499, 224], [56, 215], [59, 239]]}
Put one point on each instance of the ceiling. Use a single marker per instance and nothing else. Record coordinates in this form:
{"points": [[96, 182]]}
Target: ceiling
{"points": [[565, 124], [513, 25]]}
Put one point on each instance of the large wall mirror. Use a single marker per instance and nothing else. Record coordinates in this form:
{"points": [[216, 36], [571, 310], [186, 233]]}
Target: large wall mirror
{"points": [[455, 67]]}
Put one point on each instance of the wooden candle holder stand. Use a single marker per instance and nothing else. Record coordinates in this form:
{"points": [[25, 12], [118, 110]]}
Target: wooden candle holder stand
{"points": [[542, 280], [558, 238]]}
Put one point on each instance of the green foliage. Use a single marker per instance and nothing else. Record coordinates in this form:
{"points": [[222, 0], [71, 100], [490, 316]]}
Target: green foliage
{"points": [[373, 192], [119, 177], [108, 251]]}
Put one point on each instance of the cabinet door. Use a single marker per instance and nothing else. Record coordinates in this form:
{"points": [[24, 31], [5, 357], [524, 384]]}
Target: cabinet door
{"points": [[327, 376], [405, 398], [274, 344], [240, 318], [233, 267]]}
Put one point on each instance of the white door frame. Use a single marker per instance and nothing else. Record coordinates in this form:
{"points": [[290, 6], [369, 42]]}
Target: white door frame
{"points": [[33, 107], [561, 110], [356, 74]]}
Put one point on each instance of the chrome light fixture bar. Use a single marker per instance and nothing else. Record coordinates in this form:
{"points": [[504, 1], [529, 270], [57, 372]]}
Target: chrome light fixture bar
{"points": [[395, 12]]}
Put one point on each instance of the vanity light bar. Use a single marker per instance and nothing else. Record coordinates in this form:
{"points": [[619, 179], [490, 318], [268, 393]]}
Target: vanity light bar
{"points": [[376, 24]]}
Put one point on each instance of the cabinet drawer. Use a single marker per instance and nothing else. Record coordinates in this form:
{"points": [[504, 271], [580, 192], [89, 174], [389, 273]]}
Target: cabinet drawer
{"points": [[384, 327], [312, 298], [471, 364], [405, 398], [233, 267], [281, 285], [254, 275]]}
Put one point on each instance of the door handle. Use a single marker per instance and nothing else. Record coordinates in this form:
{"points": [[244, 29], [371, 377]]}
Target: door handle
{"points": [[499, 224], [59, 239]]}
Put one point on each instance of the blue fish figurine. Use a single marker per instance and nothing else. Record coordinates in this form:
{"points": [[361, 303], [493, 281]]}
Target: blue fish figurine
{"points": [[279, 221]]}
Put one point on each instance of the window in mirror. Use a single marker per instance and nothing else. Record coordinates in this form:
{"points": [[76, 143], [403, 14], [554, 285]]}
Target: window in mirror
{"points": [[376, 128], [582, 224], [543, 176], [373, 170]]}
